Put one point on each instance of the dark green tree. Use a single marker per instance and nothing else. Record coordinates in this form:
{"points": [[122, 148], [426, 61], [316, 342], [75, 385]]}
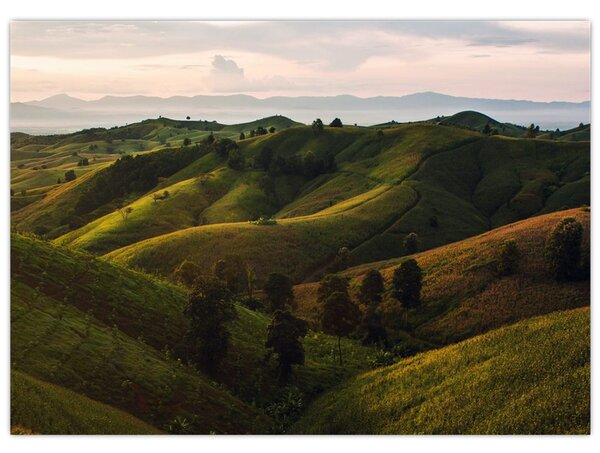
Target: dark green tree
{"points": [[336, 123], [408, 281], [264, 158], [70, 175], [411, 243], [531, 131], [508, 259], [317, 127], [339, 317], [232, 270], [242, 136], [283, 338], [236, 159], [272, 130], [279, 291], [209, 309], [187, 141], [371, 326], [371, 288], [330, 284], [563, 248], [487, 130]]}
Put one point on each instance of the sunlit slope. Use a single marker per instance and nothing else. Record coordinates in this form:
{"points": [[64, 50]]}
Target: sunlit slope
{"points": [[529, 378], [463, 295], [382, 190], [50, 409]]}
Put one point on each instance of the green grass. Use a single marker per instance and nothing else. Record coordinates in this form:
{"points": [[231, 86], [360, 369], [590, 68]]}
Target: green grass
{"points": [[49, 409], [529, 378], [87, 325]]}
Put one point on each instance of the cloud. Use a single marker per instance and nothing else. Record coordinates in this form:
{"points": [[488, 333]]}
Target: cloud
{"points": [[221, 67]]}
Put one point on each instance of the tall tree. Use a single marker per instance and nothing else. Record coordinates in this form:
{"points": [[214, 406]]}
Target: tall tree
{"points": [[317, 127], [209, 308], [411, 243], [563, 248], [331, 284], [232, 270], [371, 288], [339, 317], [283, 338], [279, 291], [408, 281]]}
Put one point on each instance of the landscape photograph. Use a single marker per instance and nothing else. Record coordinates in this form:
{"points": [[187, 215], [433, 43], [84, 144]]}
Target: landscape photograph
{"points": [[300, 227]]}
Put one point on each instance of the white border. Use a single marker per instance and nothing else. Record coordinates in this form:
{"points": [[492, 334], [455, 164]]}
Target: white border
{"points": [[280, 9]]}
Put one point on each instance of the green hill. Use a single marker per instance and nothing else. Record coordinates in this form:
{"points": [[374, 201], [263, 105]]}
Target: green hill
{"points": [[49, 409], [91, 327], [476, 121], [381, 190], [463, 295], [529, 378]]}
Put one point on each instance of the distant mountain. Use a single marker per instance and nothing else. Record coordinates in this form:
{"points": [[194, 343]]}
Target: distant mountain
{"points": [[114, 110]]}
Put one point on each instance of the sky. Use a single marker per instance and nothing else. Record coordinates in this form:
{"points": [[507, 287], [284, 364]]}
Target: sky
{"points": [[539, 61]]}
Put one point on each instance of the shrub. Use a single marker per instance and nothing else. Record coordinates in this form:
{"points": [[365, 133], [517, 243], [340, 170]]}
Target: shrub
{"points": [[263, 221], [563, 249], [508, 260]]}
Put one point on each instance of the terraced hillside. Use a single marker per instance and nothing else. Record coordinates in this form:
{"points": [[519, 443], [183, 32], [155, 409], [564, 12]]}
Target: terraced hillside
{"points": [[463, 295], [529, 378], [443, 182], [113, 335]]}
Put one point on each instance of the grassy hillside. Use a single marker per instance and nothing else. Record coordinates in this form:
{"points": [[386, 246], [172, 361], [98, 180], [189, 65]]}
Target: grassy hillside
{"points": [[84, 324], [49, 409], [529, 378], [462, 293], [476, 121], [383, 189]]}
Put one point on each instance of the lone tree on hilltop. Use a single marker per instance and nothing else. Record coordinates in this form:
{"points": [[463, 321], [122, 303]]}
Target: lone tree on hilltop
{"points": [[371, 288], [283, 338], [209, 308], [532, 131], [411, 243], [408, 281], [563, 248], [279, 291], [336, 123], [317, 127], [331, 284], [339, 317]]}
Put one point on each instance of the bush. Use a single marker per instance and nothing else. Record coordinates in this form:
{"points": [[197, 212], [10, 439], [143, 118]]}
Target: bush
{"points": [[411, 243], [563, 249], [263, 221], [509, 258], [382, 359]]}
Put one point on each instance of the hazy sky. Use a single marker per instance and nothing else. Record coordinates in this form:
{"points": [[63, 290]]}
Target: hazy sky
{"points": [[541, 61]]}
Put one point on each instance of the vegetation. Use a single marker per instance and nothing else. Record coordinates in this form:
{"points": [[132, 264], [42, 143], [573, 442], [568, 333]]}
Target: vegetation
{"points": [[339, 317], [564, 249], [279, 292], [283, 338], [515, 380], [408, 281]]}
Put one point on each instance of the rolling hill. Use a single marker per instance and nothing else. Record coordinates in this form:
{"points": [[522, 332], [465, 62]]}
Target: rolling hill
{"points": [[381, 190], [90, 327], [462, 293], [529, 378]]}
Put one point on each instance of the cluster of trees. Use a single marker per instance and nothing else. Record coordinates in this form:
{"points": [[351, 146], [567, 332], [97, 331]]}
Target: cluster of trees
{"points": [[83, 162], [134, 174], [532, 131], [487, 130], [308, 165], [70, 175]]}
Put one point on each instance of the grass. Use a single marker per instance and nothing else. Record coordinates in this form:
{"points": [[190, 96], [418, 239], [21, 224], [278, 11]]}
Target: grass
{"points": [[383, 190], [45, 408], [463, 295], [87, 325], [529, 378]]}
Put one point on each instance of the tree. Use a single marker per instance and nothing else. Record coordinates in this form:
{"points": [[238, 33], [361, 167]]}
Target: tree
{"points": [[187, 272], [264, 158], [125, 211], [331, 284], [187, 118], [371, 326], [236, 159], [187, 141], [70, 175], [279, 291], [509, 258], [283, 338], [339, 317], [408, 281], [232, 270], [487, 130], [272, 130], [563, 248], [242, 136], [317, 127], [250, 281], [531, 131], [411, 243], [209, 308], [336, 123], [371, 288]]}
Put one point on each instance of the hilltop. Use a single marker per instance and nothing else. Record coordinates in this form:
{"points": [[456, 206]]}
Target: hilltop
{"points": [[529, 378]]}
